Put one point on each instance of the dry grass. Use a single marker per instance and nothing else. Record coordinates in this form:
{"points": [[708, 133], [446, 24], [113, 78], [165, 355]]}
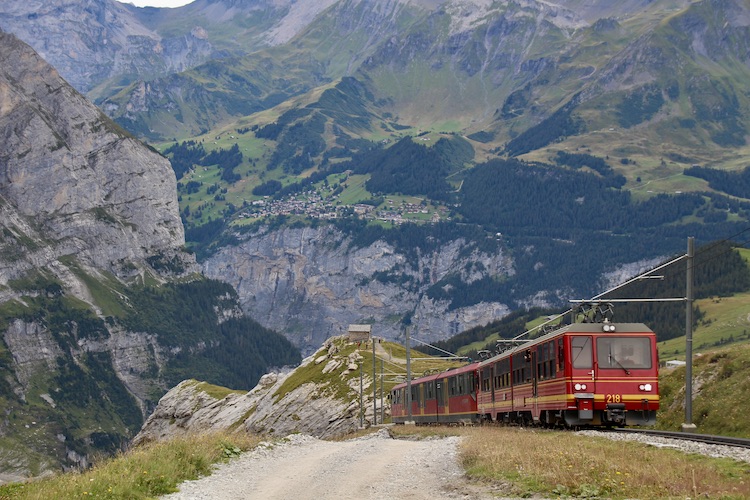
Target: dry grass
{"points": [[566, 464], [145, 472], [525, 462]]}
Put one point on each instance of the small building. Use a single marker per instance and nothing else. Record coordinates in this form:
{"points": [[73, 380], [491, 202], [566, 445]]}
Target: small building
{"points": [[359, 333]]}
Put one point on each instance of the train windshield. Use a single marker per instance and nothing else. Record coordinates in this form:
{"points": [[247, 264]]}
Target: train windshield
{"points": [[623, 353]]}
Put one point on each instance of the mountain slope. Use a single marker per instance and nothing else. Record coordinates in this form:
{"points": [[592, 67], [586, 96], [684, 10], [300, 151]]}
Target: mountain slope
{"points": [[101, 309]]}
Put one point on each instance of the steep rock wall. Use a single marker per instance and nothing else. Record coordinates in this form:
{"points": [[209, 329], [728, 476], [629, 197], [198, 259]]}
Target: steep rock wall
{"points": [[71, 180], [311, 283]]}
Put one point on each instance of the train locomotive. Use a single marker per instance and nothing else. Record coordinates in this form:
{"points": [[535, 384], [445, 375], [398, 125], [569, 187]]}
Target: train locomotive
{"points": [[578, 375]]}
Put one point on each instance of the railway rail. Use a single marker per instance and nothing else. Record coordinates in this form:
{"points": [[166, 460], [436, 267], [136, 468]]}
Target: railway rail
{"points": [[687, 436]]}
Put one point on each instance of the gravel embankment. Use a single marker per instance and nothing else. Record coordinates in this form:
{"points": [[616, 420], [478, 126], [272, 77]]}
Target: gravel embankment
{"points": [[712, 450]]}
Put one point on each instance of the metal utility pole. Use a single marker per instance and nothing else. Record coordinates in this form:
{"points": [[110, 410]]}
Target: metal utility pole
{"points": [[408, 375], [374, 386], [382, 406], [361, 408], [689, 426]]}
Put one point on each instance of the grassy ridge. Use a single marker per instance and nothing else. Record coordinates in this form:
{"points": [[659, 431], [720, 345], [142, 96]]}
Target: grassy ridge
{"points": [[146, 472]]}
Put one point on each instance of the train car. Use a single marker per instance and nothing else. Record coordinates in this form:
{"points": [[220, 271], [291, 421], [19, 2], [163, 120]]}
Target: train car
{"points": [[449, 397], [583, 374]]}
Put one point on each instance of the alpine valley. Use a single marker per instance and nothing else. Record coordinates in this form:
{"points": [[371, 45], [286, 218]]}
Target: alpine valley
{"points": [[422, 163]]}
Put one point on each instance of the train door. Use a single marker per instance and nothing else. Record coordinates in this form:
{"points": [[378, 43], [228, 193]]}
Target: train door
{"points": [[441, 399], [420, 398], [583, 373], [533, 356]]}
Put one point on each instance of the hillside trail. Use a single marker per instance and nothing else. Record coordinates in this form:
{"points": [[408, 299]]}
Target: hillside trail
{"points": [[370, 467]]}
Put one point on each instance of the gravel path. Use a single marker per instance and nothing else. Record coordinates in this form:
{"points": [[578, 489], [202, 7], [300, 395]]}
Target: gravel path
{"points": [[370, 467]]}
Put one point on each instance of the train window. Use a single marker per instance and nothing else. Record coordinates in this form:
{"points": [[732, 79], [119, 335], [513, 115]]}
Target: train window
{"points": [[551, 359], [502, 368], [560, 354], [582, 352], [486, 380], [623, 353], [452, 386]]}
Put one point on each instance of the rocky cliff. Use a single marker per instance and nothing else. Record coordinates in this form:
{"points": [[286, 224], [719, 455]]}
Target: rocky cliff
{"points": [[85, 212], [311, 283], [73, 182]]}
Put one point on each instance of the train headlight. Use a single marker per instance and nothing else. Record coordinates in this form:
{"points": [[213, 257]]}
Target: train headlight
{"points": [[580, 387], [608, 327], [645, 387]]}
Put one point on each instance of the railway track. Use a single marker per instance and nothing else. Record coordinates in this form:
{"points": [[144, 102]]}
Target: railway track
{"points": [[686, 436]]}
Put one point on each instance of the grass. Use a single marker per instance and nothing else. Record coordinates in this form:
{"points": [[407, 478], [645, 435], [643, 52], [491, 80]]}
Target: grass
{"points": [[215, 391], [151, 470], [526, 462], [721, 382], [726, 320], [106, 290], [567, 464]]}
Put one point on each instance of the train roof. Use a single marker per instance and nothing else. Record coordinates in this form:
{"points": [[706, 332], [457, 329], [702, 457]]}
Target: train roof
{"points": [[453, 371], [570, 329]]}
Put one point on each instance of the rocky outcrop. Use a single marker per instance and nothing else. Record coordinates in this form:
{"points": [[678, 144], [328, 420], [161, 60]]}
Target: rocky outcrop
{"points": [[309, 407], [311, 283], [74, 183]]}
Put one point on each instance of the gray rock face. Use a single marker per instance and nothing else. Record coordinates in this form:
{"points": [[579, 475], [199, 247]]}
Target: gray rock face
{"points": [[311, 283], [92, 41], [72, 180]]}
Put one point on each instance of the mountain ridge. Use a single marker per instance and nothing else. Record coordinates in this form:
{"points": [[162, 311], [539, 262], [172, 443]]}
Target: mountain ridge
{"points": [[92, 267]]}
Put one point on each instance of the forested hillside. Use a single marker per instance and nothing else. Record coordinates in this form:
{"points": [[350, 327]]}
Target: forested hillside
{"points": [[719, 271]]}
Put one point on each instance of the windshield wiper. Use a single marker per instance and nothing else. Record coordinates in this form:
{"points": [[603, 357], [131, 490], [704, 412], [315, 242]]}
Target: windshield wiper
{"points": [[612, 358]]}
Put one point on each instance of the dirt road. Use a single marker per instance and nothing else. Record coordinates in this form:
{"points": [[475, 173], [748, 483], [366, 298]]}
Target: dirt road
{"points": [[370, 467]]}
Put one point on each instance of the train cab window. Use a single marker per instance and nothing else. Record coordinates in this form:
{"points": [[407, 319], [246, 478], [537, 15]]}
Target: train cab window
{"points": [[452, 386], [582, 352], [623, 353], [560, 355]]}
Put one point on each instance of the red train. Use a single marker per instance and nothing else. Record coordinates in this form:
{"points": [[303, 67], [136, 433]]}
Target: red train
{"points": [[583, 374]]}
